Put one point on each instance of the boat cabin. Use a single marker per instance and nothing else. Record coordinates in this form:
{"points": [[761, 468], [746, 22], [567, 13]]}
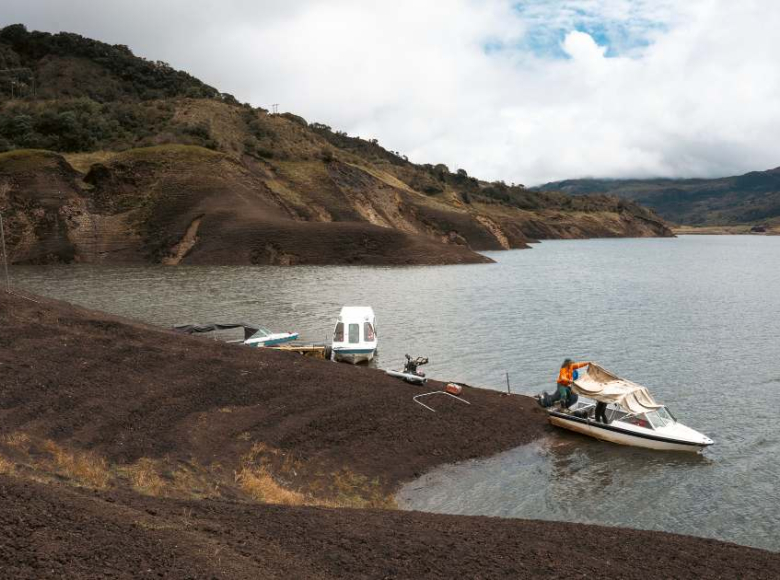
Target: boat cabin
{"points": [[355, 335], [656, 419]]}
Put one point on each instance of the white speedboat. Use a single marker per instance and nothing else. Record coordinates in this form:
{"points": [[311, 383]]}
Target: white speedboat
{"points": [[633, 416], [355, 337]]}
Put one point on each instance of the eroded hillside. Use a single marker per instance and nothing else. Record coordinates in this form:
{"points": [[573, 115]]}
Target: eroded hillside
{"points": [[112, 158]]}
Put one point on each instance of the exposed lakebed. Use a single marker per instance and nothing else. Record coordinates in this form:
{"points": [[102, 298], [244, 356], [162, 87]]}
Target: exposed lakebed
{"points": [[696, 319]]}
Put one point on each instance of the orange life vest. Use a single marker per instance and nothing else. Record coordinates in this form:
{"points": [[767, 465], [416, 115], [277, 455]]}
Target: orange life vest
{"points": [[565, 376]]}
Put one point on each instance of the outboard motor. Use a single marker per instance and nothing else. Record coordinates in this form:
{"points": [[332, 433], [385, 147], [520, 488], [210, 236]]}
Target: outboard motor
{"points": [[412, 363]]}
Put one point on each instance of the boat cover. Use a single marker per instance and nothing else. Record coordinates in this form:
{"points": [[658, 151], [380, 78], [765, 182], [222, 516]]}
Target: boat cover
{"points": [[249, 329], [601, 385]]}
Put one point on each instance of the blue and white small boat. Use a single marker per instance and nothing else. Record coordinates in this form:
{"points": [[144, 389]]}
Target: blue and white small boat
{"points": [[264, 337], [255, 336], [355, 337]]}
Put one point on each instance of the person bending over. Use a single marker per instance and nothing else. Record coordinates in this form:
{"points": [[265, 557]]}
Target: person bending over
{"points": [[563, 392]]}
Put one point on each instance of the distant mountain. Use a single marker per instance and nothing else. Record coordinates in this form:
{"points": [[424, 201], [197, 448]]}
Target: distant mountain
{"points": [[753, 198], [108, 157]]}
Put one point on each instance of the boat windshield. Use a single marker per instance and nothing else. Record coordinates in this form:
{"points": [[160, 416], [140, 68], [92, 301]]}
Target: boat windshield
{"points": [[660, 418], [638, 420], [354, 333], [338, 335]]}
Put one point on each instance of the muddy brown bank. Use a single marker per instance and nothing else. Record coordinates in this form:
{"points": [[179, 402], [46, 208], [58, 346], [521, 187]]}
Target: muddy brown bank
{"points": [[129, 451]]}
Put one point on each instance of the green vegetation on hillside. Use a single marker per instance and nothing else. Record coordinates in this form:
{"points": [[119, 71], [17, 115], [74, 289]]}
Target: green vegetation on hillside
{"points": [[75, 94], [138, 78], [753, 198]]}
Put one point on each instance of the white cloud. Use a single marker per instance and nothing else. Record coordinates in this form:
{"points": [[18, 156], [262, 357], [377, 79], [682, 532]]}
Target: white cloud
{"points": [[583, 48], [527, 91]]}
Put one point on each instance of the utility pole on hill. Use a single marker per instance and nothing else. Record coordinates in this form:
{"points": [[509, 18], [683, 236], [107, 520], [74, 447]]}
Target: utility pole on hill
{"points": [[275, 108], [16, 83]]}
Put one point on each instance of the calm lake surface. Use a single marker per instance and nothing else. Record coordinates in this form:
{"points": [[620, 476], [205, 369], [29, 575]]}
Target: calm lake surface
{"points": [[696, 319]]}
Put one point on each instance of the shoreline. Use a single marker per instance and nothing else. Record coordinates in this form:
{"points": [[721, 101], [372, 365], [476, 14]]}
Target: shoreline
{"points": [[722, 231], [132, 444]]}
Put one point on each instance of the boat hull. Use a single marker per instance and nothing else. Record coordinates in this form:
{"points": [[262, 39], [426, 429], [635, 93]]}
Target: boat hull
{"points": [[408, 377], [620, 436], [272, 341], [353, 356]]}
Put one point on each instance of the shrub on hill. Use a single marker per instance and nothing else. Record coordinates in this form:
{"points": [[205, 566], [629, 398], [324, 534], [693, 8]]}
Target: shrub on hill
{"points": [[77, 125], [139, 78]]}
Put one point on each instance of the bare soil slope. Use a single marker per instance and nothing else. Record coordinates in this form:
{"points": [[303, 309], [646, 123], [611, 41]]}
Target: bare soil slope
{"points": [[130, 452], [55, 532], [127, 393], [174, 204]]}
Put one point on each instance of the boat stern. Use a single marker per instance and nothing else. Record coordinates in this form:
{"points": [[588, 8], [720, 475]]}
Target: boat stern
{"points": [[353, 356]]}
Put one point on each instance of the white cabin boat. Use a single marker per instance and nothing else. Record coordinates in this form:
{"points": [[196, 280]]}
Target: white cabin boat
{"points": [[633, 416], [355, 336]]}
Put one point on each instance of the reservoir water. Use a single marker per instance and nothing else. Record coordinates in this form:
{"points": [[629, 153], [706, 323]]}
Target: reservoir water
{"points": [[696, 319]]}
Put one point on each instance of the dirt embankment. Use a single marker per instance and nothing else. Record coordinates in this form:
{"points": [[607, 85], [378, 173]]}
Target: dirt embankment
{"points": [[178, 204], [128, 451]]}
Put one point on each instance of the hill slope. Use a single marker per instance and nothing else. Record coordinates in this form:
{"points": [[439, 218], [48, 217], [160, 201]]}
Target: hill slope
{"points": [[112, 158], [753, 198]]}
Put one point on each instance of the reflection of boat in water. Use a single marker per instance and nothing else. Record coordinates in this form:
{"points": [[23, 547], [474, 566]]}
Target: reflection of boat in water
{"points": [[254, 335], [633, 416], [355, 338]]}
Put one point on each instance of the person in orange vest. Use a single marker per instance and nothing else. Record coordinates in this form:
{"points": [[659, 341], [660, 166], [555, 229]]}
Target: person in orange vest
{"points": [[565, 379]]}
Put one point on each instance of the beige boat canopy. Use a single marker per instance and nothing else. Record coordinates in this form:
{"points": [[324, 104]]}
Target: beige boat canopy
{"points": [[601, 385]]}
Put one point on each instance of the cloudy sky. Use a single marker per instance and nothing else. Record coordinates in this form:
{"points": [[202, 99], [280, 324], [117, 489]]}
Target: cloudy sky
{"points": [[526, 91]]}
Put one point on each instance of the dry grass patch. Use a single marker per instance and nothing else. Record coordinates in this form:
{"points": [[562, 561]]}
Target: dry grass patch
{"points": [[259, 485], [145, 478], [264, 471], [354, 490], [83, 467], [194, 481], [6, 467], [255, 479], [82, 162], [17, 440]]}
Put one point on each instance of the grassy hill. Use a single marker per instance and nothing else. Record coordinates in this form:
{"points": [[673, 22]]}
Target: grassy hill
{"points": [[108, 157], [753, 198]]}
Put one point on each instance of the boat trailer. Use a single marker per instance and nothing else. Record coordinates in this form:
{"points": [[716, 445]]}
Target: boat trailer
{"points": [[417, 397]]}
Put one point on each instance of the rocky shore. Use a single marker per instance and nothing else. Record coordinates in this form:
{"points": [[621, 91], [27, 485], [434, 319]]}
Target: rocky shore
{"points": [[128, 451]]}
